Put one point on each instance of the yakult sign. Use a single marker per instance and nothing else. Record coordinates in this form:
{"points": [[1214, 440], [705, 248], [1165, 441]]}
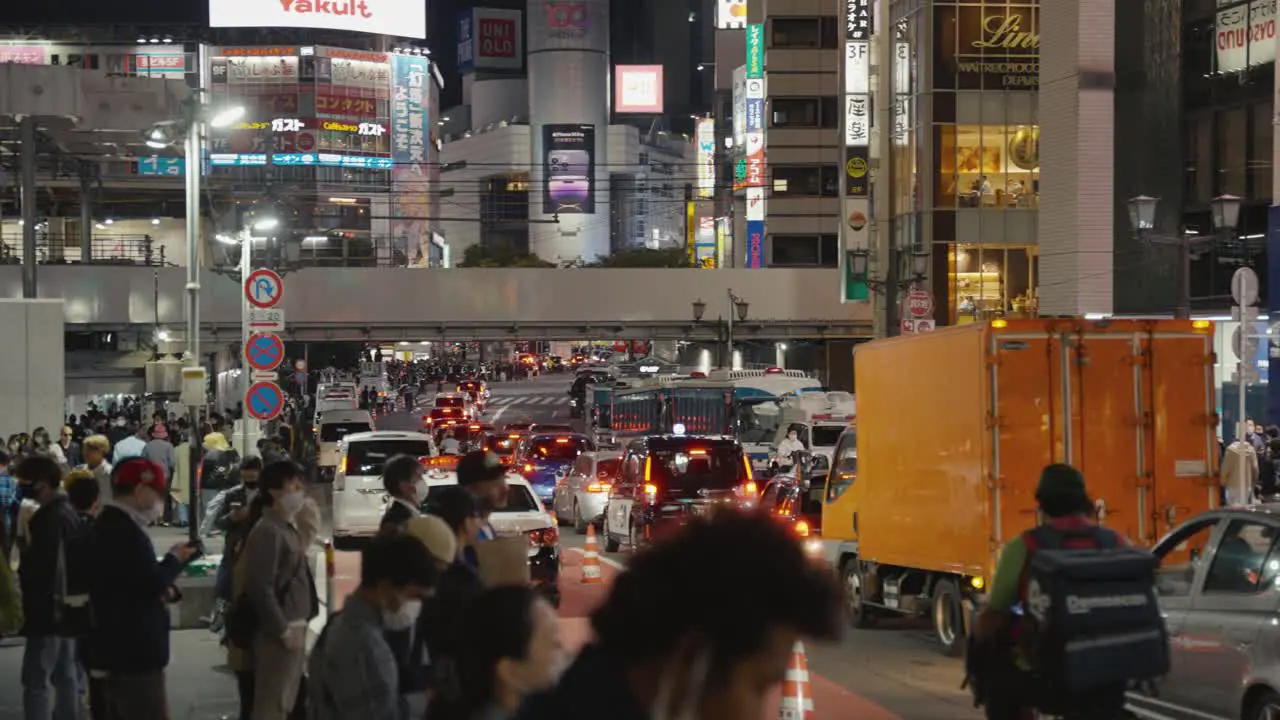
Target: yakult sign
{"points": [[1245, 35], [401, 18]]}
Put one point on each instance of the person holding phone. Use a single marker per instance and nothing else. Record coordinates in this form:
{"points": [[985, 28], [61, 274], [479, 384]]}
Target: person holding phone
{"points": [[128, 645]]}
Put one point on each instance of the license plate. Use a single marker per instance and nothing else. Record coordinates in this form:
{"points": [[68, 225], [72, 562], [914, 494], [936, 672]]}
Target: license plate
{"points": [[700, 510]]}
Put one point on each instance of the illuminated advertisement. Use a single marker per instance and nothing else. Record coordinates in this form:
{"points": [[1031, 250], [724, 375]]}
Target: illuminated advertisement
{"points": [[410, 135], [731, 14], [706, 161], [399, 18], [755, 93], [24, 54], [857, 96], [755, 163], [740, 106], [997, 47], [704, 248], [637, 89], [489, 38], [755, 227], [723, 231], [569, 166], [1245, 35], [255, 70]]}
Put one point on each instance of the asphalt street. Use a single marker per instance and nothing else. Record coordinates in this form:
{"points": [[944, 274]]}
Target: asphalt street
{"points": [[891, 672]]}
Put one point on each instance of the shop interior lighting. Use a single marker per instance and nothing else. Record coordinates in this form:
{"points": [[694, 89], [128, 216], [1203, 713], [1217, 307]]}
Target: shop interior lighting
{"points": [[266, 223], [155, 221]]}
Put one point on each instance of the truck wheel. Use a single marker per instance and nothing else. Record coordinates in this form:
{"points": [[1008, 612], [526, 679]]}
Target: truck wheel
{"points": [[860, 616], [948, 618]]}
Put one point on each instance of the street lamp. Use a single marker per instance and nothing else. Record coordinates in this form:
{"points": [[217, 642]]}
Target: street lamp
{"points": [[1142, 220], [190, 129], [738, 308], [918, 262]]}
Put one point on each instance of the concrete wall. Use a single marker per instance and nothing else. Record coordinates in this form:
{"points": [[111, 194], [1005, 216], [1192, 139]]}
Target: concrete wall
{"points": [[32, 366], [373, 296], [502, 151]]}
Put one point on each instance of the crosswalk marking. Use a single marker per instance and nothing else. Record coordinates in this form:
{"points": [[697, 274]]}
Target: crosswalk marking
{"points": [[525, 400]]}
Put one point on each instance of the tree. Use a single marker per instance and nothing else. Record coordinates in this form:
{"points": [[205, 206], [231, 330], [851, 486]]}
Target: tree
{"points": [[482, 256], [646, 258]]}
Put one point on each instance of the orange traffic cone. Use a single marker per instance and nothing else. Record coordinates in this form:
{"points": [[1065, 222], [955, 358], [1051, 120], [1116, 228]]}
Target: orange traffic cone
{"points": [[797, 699], [591, 559]]}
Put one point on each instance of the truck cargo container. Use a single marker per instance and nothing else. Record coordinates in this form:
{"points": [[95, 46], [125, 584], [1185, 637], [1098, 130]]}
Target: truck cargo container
{"points": [[955, 426]]}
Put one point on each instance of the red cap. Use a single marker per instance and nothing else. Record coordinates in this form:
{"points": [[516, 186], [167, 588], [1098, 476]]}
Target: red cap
{"points": [[139, 471]]}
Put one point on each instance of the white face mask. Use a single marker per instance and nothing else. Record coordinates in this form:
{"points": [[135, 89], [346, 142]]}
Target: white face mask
{"points": [[291, 502], [420, 490], [404, 618], [250, 493], [152, 513], [688, 709]]}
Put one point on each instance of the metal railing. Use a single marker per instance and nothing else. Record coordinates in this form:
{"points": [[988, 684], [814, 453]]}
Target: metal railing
{"points": [[104, 250]]}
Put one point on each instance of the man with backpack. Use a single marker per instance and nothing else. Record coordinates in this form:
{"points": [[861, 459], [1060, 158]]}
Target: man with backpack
{"points": [[1071, 617]]}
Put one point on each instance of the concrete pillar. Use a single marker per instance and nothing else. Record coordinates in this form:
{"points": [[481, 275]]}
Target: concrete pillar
{"points": [[86, 222], [29, 259], [1077, 80]]}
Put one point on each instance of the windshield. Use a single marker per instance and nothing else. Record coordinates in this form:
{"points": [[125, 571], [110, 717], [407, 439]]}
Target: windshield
{"points": [[333, 432], [561, 449], [449, 401], [826, 435], [715, 468], [757, 421], [368, 456]]}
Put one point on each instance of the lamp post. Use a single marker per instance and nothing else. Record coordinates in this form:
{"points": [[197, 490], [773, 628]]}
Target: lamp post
{"points": [[737, 307], [1225, 211], [891, 286], [190, 130]]}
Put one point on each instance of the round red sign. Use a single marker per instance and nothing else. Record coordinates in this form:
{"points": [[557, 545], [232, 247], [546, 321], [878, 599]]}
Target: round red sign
{"points": [[919, 302], [305, 142]]}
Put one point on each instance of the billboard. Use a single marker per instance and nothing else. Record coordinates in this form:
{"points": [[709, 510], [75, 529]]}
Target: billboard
{"points": [[755, 227], [398, 18], [490, 39], [24, 54], [569, 169], [1245, 35], [410, 138], [755, 51], [731, 14], [568, 25], [740, 106], [858, 24], [992, 47], [755, 132], [705, 135], [637, 89]]}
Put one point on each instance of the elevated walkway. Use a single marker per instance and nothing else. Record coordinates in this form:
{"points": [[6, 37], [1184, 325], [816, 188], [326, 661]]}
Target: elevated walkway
{"points": [[415, 305]]}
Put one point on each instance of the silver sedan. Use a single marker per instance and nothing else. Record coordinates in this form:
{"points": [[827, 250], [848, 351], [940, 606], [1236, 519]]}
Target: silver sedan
{"points": [[581, 495]]}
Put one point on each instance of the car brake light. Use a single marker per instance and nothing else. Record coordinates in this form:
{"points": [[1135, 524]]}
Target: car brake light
{"points": [[802, 528], [562, 441], [543, 537], [697, 451], [749, 488], [650, 489], [528, 467], [598, 487]]}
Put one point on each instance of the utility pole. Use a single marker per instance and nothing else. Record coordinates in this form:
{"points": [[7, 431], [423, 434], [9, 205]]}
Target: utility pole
{"points": [[886, 260]]}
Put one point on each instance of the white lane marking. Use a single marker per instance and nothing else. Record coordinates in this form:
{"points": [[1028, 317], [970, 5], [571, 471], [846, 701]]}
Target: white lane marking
{"points": [[497, 414], [607, 561]]}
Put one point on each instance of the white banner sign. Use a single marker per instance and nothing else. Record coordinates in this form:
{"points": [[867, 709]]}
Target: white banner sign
{"points": [[706, 139], [857, 67], [755, 203], [398, 18], [1245, 35], [731, 14], [740, 106], [857, 120]]}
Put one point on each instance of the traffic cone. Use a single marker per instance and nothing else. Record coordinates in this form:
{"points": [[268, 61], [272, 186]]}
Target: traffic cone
{"points": [[797, 699], [591, 559]]}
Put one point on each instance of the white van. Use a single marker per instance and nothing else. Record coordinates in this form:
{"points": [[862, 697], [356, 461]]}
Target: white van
{"points": [[332, 426], [337, 396], [359, 498]]}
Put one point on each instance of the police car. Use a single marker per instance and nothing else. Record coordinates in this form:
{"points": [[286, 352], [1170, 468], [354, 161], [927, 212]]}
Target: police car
{"points": [[524, 515]]}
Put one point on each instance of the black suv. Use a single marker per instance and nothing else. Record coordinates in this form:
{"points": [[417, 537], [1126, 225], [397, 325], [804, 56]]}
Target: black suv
{"points": [[667, 479]]}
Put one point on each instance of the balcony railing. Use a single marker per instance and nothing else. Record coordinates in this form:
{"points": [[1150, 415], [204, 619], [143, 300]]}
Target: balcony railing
{"points": [[104, 249]]}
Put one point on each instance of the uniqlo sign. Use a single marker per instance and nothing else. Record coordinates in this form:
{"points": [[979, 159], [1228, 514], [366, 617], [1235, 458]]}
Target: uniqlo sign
{"points": [[496, 40]]}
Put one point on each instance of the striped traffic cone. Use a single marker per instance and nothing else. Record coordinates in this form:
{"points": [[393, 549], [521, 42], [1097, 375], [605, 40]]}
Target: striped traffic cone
{"points": [[797, 699], [591, 559]]}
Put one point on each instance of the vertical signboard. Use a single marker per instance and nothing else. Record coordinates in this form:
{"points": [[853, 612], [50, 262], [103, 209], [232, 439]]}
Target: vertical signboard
{"points": [[740, 106], [1273, 251], [723, 231], [731, 14], [410, 129], [856, 205], [901, 89], [706, 160], [569, 167], [755, 94]]}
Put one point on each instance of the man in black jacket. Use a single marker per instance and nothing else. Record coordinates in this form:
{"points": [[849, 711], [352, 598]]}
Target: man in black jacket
{"points": [[402, 477], [129, 643], [50, 686]]}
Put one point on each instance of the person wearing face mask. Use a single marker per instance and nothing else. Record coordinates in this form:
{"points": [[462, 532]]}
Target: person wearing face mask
{"points": [[128, 643], [513, 649], [281, 591], [352, 670], [50, 685], [402, 477], [746, 595], [234, 521], [789, 446]]}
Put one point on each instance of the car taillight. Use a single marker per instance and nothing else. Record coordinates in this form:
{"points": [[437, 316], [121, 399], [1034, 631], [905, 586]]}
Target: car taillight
{"points": [[528, 467], [543, 537], [598, 487], [803, 529], [650, 491], [749, 488]]}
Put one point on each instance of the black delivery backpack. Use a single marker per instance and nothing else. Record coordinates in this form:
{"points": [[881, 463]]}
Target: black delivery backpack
{"points": [[1091, 624]]}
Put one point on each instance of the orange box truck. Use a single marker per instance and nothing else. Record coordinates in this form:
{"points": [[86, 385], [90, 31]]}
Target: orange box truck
{"points": [[954, 427]]}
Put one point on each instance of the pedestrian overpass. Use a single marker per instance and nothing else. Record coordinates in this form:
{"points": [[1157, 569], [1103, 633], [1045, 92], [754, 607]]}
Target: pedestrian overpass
{"points": [[464, 304]]}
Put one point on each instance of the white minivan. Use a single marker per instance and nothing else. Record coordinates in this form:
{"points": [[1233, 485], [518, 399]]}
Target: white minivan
{"points": [[359, 498], [334, 425]]}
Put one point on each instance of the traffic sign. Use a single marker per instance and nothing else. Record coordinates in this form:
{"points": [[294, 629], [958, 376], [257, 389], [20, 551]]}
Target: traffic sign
{"points": [[263, 376], [919, 302], [263, 288], [264, 351], [912, 326], [264, 400], [1244, 286], [266, 320]]}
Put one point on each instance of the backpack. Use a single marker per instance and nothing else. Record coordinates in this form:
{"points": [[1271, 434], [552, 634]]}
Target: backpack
{"points": [[1091, 624], [74, 612]]}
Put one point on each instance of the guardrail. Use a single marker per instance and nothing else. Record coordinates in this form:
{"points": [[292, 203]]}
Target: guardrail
{"points": [[104, 250]]}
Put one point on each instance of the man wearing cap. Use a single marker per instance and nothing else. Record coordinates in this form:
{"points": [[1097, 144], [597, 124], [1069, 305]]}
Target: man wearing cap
{"points": [[1065, 507], [128, 590], [482, 473]]}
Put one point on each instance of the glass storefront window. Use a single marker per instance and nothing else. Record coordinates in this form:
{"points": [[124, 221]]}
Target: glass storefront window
{"points": [[988, 166], [989, 281]]}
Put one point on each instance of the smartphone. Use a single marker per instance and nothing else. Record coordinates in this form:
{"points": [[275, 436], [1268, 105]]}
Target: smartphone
{"points": [[198, 546]]}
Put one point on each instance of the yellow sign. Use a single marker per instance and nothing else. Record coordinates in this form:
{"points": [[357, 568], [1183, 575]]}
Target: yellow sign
{"points": [[856, 167], [1005, 32]]}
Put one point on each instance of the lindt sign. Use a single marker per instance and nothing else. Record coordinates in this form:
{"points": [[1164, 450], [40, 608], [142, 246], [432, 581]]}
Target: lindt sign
{"points": [[400, 18]]}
